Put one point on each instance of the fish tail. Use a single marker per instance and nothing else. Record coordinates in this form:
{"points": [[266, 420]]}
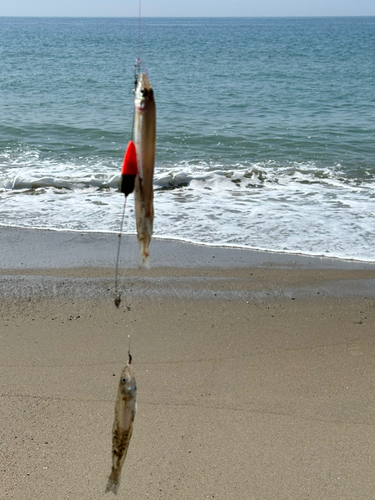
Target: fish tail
{"points": [[113, 482], [144, 259], [144, 262]]}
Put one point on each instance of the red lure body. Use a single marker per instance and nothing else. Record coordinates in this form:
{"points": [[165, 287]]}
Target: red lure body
{"points": [[129, 170]]}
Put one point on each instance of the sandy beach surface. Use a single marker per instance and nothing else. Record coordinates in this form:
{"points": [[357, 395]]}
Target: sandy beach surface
{"points": [[255, 371]]}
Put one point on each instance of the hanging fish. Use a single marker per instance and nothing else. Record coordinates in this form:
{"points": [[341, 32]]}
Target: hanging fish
{"points": [[144, 136], [138, 170], [123, 424]]}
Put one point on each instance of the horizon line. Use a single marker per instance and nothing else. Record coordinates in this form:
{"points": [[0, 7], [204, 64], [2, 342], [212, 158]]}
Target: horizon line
{"points": [[188, 17]]}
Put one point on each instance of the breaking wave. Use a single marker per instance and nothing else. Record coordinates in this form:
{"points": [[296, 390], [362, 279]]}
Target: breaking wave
{"points": [[299, 207]]}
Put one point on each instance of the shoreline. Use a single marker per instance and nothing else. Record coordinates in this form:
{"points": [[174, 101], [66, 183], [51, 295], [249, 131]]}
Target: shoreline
{"points": [[192, 242], [54, 249]]}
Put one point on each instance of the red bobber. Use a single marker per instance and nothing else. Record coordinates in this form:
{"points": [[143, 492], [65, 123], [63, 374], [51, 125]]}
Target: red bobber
{"points": [[129, 170]]}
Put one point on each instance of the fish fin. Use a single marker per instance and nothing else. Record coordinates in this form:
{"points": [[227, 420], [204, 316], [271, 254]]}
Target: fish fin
{"points": [[113, 482]]}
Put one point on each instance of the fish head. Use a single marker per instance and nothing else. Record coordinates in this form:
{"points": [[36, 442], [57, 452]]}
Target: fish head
{"points": [[127, 384], [144, 93]]}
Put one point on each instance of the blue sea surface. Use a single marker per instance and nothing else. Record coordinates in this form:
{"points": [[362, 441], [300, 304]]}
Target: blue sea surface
{"points": [[266, 128]]}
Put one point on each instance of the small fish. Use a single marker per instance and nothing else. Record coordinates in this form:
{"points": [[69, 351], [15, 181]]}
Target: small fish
{"points": [[123, 424], [144, 135]]}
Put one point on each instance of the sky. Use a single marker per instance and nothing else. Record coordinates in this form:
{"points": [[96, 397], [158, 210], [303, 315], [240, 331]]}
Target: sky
{"points": [[189, 8]]}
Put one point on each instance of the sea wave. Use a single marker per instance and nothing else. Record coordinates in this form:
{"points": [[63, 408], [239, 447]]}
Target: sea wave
{"points": [[101, 175], [298, 207], [20, 183]]}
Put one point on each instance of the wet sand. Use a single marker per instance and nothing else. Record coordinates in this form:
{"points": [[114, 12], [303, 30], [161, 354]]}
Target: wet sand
{"points": [[255, 371]]}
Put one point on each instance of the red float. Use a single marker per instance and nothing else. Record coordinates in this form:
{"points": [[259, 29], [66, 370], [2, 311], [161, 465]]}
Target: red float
{"points": [[129, 170]]}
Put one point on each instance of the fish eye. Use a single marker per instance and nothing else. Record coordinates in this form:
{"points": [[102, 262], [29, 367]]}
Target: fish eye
{"points": [[144, 92], [123, 380]]}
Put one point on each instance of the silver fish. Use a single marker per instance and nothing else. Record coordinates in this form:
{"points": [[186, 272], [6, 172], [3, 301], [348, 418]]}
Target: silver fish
{"points": [[123, 424], [144, 136]]}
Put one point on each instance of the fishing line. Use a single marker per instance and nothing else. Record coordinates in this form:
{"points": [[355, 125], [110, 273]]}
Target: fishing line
{"points": [[139, 32], [117, 293], [138, 64], [129, 337]]}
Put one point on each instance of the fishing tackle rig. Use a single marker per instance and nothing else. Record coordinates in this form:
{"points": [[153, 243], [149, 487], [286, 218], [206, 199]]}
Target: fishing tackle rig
{"points": [[129, 172], [129, 169]]}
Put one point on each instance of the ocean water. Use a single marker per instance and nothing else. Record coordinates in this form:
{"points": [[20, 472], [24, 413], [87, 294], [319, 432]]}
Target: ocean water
{"points": [[266, 128]]}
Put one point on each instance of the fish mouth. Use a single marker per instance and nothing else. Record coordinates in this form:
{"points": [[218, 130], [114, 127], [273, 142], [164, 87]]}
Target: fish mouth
{"points": [[144, 83], [144, 91]]}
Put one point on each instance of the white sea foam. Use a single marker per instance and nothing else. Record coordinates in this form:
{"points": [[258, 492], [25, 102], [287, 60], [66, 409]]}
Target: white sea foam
{"points": [[293, 208]]}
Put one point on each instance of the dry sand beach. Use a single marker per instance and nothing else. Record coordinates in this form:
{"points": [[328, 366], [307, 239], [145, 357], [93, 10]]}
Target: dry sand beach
{"points": [[255, 371]]}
